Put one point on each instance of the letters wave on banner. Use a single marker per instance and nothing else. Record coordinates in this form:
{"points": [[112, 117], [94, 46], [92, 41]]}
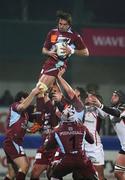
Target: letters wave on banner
{"points": [[104, 41]]}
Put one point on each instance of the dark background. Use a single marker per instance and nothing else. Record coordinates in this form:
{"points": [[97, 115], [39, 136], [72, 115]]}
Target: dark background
{"points": [[92, 11]]}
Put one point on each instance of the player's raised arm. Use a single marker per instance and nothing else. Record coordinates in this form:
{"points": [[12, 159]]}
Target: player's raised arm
{"points": [[69, 90], [25, 102]]}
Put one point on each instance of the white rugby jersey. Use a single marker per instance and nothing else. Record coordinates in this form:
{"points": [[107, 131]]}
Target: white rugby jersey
{"points": [[119, 127], [92, 121]]}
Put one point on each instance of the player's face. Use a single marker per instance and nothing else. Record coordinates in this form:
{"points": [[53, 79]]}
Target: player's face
{"points": [[63, 25], [114, 99], [55, 89], [89, 99]]}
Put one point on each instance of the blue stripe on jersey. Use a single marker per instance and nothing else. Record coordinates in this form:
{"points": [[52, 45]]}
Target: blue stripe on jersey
{"points": [[59, 143], [14, 117]]}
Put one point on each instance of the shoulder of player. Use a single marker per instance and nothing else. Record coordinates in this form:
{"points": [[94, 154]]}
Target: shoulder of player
{"points": [[53, 30], [75, 33], [14, 105], [70, 31]]}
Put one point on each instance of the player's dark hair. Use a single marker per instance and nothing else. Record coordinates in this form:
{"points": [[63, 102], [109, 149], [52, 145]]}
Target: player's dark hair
{"points": [[96, 94], [19, 95], [64, 15], [83, 93]]}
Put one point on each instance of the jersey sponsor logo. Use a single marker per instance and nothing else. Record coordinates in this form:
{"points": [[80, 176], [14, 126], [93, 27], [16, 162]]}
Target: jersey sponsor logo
{"points": [[70, 133], [53, 38]]}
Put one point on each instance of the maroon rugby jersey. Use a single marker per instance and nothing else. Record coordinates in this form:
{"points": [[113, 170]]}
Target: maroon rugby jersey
{"points": [[49, 118], [71, 38], [16, 124], [69, 136]]}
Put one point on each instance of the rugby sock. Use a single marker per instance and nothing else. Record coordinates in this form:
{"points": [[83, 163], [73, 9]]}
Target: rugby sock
{"points": [[20, 176], [6, 178]]}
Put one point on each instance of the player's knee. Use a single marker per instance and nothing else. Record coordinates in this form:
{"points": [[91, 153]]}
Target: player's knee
{"points": [[24, 168], [35, 173], [10, 175], [27, 167]]}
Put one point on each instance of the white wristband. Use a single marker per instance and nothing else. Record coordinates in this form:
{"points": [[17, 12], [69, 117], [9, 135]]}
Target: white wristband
{"points": [[72, 51]]}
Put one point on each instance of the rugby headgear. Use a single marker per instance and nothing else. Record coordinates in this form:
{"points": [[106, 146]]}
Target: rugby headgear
{"points": [[20, 95], [121, 96]]}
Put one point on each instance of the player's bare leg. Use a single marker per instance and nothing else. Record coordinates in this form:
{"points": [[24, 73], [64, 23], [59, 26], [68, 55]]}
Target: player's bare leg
{"points": [[37, 170], [47, 80], [100, 171], [23, 165], [120, 167], [11, 172]]}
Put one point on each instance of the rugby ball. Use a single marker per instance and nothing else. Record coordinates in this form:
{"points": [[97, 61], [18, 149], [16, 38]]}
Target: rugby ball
{"points": [[59, 50]]}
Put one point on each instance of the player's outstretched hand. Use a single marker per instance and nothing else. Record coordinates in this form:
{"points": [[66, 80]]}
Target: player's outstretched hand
{"points": [[61, 72], [94, 101]]}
